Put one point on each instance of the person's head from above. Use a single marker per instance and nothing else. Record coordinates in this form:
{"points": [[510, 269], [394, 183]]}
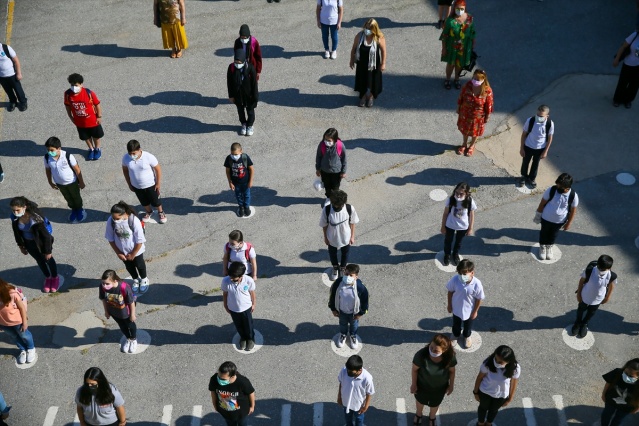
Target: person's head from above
{"points": [[542, 113], [134, 149], [354, 366], [76, 81], [460, 7], [330, 137], [351, 273], [237, 271], [53, 146], [245, 33], [239, 58], [466, 270], [226, 373], [338, 199], [236, 151], [564, 183]]}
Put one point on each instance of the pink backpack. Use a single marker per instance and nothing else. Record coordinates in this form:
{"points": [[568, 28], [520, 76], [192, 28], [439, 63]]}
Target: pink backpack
{"points": [[339, 146]]}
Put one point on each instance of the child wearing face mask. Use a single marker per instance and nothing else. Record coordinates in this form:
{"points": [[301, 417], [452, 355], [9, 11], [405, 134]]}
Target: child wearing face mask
{"points": [[535, 143], [240, 173], [338, 221], [241, 82], [125, 234], [595, 288], [238, 250], [238, 295], [330, 162], [496, 384], [457, 221], [556, 211], [465, 294], [251, 47], [355, 390], [348, 301], [119, 303], [621, 393], [85, 111]]}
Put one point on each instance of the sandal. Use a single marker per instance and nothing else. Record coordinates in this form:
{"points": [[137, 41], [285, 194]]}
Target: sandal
{"points": [[461, 150], [447, 84], [173, 54], [417, 420], [457, 84], [179, 53], [470, 151]]}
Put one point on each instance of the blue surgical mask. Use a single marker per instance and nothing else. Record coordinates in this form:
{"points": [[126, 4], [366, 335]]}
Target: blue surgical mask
{"points": [[368, 32], [19, 214], [53, 153], [134, 157], [541, 119], [222, 382], [626, 378], [465, 278], [236, 157]]}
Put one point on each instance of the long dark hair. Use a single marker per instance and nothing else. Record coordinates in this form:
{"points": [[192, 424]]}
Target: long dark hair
{"points": [[121, 208], [31, 207], [104, 396], [508, 355], [633, 393]]}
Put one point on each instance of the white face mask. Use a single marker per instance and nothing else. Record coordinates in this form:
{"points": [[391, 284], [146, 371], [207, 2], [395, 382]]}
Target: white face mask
{"points": [[76, 89], [19, 214], [329, 143], [349, 280], [626, 378], [476, 83], [368, 32], [459, 12], [460, 198], [498, 365], [603, 274], [134, 157], [120, 221], [466, 278], [434, 354], [236, 157], [239, 66], [245, 40], [541, 119], [236, 247]]}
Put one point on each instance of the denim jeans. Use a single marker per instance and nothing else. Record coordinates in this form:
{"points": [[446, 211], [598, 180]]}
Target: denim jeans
{"points": [[243, 195], [353, 416], [23, 339], [457, 326], [345, 320], [611, 416], [334, 36], [243, 421]]}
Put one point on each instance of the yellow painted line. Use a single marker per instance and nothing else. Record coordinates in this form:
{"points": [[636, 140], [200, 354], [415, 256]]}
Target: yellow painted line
{"points": [[7, 40]]}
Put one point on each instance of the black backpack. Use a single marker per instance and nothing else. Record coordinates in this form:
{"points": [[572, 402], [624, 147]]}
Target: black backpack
{"points": [[531, 123], [571, 197], [327, 210]]}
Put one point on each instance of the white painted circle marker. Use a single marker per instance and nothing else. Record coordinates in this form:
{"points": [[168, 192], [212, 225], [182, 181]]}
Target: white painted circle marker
{"points": [[346, 350], [439, 261], [534, 252], [477, 341], [144, 340], [259, 342], [326, 279], [26, 365], [151, 220], [575, 343], [252, 210], [438, 195], [626, 179]]}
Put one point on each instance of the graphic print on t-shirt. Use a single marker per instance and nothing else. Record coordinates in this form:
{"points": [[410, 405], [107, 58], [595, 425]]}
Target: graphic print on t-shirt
{"points": [[227, 400], [238, 170], [458, 213], [123, 232]]}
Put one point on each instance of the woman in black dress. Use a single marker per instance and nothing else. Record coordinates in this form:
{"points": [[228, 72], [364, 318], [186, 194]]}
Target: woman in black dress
{"points": [[369, 53]]}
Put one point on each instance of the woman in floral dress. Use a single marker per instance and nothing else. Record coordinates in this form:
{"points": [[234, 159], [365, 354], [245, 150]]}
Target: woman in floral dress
{"points": [[458, 40], [170, 16], [474, 106]]}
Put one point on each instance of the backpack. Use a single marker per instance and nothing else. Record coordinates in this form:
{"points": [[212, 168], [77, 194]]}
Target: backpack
{"points": [[531, 123], [47, 224], [46, 159], [327, 210], [452, 203], [117, 300], [6, 52], [591, 266], [571, 197], [244, 159], [339, 145], [131, 222], [249, 246], [23, 298]]}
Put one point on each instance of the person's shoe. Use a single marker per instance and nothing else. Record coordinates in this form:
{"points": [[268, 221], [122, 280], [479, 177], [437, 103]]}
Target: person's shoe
{"points": [[31, 354], [243, 130], [277, 1], [353, 342], [124, 347], [98, 154], [73, 217], [249, 131], [22, 107], [532, 184], [583, 330], [22, 358], [11, 107], [250, 345], [327, 54], [247, 211], [135, 286], [542, 252], [334, 273], [47, 285], [468, 342], [446, 259], [521, 181], [575, 329], [55, 283], [334, 54], [453, 338], [162, 217], [456, 259], [269, 1], [370, 102], [240, 211], [549, 254], [628, 105], [242, 345], [1, 177], [144, 285], [340, 340], [90, 155], [439, 24], [362, 101], [146, 216], [81, 215], [133, 346]]}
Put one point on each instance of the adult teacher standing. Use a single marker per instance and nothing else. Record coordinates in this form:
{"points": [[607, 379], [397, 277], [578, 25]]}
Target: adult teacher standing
{"points": [[170, 16], [369, 53]]}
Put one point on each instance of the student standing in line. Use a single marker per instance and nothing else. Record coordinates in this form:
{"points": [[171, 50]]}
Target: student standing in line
{"points": [[232, 394], [355, 390], [143, 174], [329, 18], [64, 175], [458, 220], [535, 143], [14, 321], [621, 393], [348, 301], [240, 174], [330, 162], [241, 83], [10, 76], [496, 384], [238, 293], [251, 47], [238, 250], [368, 54], [119, 303], [338, 221], [465, 294], [85, 111], [98, 402]]}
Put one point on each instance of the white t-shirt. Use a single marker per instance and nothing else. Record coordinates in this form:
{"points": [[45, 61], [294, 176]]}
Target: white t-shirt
{"points": [[124, 238], [141, 170], [594, 290], [6, 64], [464, 295], [328, 12], [240, 256], [239, 295], [495, 384], [355, 389], [61, 171], [632, 60], [339, 230], [458, 216], [536, 139], [557, 209]]}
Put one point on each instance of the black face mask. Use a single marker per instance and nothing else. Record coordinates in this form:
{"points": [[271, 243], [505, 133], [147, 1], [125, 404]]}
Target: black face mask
{"points": [[93, 389], [338, 209]]}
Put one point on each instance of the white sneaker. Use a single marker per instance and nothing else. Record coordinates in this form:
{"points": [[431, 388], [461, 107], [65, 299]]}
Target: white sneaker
{"points": [[243, 131], [22, 358], [136, 285], [353, 342], [249, 131], [125, 346], [327, 54], [133, 346], [334, 54], [334, 274], [31, 355], [549, 254], [542, 252], [144, 285], [340, 340]]}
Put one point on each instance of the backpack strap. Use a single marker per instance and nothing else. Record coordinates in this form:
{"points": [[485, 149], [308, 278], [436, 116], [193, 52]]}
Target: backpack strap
{"points": [[6, 52], [244, 159], [327, 210], [553, 191], [247, 251], [340, 147], [571, 198], [531, 123], [349, 210], [548, 126], [589, 269]]}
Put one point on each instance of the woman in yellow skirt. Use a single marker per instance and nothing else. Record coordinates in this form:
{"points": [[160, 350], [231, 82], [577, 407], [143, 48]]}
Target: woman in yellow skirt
{"points": [[170, 16]]}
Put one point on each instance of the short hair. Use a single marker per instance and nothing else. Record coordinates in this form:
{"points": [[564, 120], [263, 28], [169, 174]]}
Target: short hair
{"points": [[75, 78], [543, 108], [237, 269], [354, 363], [236, 235], [465, 265], [332, 134], [351, 268], [228, 367], [604, 262], [132, 145], [338, 197], [110, 274], [235, 146], [53, 142], [564, 180]]}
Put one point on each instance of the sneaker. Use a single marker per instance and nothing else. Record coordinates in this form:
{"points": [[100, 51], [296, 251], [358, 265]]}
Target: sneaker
{"points": [[521, 182], [243, 130], [240, 211], [327, 55], [531, 183], [73, 217], [456, 259], [55, 283], [133, 346], [250, 345], [162, 216], [125, 346], [468, 342], [583, 330], [334, 54], [549, 254], [81, 215], [340, 340], [22, 107], [542, 252], [136, 285], [446, 259], [90, 155], [242, 345], [247, 211], [31, 354], [47, 285], [574, 330], [453, 338], [1, 177], [98, 154], [334, 273], [22, 358], [353, 342], [146, 216], [11, 107], [249, 131], [144, 285]]}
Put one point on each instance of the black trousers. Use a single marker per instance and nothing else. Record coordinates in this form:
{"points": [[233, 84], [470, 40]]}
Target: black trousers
{"points": [[48, 267], [13, 88], [250, 112], [243, 322], [128, 327], [136, 267], [457, 326], [331, 182], [448, 240], [627, 85], [589, 310], [488, 407], [533, 155], [548, 233]]}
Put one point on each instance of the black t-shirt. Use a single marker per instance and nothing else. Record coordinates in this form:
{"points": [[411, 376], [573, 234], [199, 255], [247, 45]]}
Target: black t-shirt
{"points": [[431, 375], [239, 173], [232, 399], [618, 391], [118, 300]]}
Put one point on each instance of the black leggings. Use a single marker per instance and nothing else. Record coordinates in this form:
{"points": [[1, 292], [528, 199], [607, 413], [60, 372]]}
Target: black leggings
{"points": [[128, 327], [48, 267], [488, 407], [448, 240], [136, 267], [331, 182]]}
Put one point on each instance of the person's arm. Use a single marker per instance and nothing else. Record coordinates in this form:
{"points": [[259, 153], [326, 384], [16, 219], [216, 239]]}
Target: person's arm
{"points": [[352, 240], [23, 313], [413, 378], [134, 252], [325, 235], [251, 398], [339, 396], [451, 380], [225, 262], [580, 287], [228, 177], [513, 388], [251, 175], [382, 52], [106, 309], [571, 216], [214, 400], [354, 49], [471, 222], [524, 135], [444, 217], [158, 178], [542, 204], [121, 413], [52, 184], [611, 287], [473, 314], [98, 113], [603, 393], [69, 112], [132, 312], [225, 300], [80, 412], [117, 251], [182, 7], [545, 153], [156, 17], [340, 15], [78, 173], [365, 405], [478, 380], [253, 261], [253, 299], [16, 63], [617, 59], [317, 15], [450, 302], [127, 178]]}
